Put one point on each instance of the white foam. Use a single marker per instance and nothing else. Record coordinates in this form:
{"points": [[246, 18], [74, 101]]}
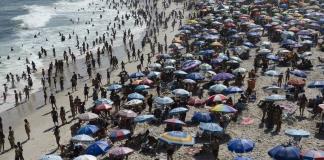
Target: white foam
{"points": [[38, 16]]}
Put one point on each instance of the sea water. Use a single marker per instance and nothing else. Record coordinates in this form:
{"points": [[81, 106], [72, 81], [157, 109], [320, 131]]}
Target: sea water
{"points": [[21, 20]]}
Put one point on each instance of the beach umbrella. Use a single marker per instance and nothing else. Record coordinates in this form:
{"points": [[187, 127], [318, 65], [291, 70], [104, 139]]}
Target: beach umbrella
{"points": [[146, 81], [208, 52], [180, 73], [51, 157], [104, 100], [312, 155], [187, 55], [273, 57], [141, 87], [144, 118], [120, 151], [177, 138], [195, 101], [223, 76], [114, 87], [88, 116], [154, 74], [240, 145], [232, 90], [119, 134], [85, 157], [190, 64], [176, 46], [272, 88], [275, 97], [103, 107], [281, 152], [189, 81], [178, 110], [174, 121], [264, 51], [136, 75], [242, 158], [205, 67], [316, 84], [272, 73], [288, 107], [201, 117], [163, 56], [199, 43], [82, 138], [236, 58], [181, 93], [296, 82], [127, 113], [210, 127], [298, 73], [223, 108], [169, 68], [134, 102], [217, 88], [135, 96], [98, 148], [195, 76], [297, 133], [163, 100], [155, 65], [249, 44], [239, 70], [169, 61], [217, 98], [87, 129]]}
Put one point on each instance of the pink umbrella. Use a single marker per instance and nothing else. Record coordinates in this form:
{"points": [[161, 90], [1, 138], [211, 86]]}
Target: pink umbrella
{"points": [[247, 121], [120, 151]]}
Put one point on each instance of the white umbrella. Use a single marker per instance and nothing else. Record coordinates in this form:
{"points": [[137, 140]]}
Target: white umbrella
{"points": [[134, 102], [87, 116], [85, 157]]}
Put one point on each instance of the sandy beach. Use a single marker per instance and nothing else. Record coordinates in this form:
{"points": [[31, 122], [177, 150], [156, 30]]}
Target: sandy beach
{"points": [[42, 140]]}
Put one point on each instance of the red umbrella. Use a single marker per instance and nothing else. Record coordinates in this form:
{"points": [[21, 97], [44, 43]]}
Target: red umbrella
{"points": [[217, 98], [196, 102], [296, 82], [103, 107]]}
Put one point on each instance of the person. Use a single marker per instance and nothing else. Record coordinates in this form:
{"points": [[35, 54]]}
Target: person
{"points": [[302, 104], [150, 102], [11, 138], [170, 152], [27, 128], [20, 151], [53, 100], [2, 141], [57, 135], [16, 97], [86, 92], [17, 152], [62, 115], [280, 77], [1, 126], [45, 95], [54, 115], [215, 148]]}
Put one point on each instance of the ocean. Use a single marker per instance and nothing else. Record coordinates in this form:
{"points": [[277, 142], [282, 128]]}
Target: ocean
{"points": [[21, 20]]}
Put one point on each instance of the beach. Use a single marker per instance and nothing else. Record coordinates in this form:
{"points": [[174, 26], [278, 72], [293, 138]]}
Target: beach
{"points": [[42, 141]]}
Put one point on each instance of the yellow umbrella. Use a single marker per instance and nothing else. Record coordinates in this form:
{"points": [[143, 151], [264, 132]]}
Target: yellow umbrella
{"points": [[192, 21]]}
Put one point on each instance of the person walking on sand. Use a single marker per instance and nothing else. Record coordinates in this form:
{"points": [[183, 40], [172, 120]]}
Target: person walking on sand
{"points": [[53, 100], [11, 138], [62, 115], [2, 141], [54, 115], [57, 135], [86, 92], [16, 97], [27, 128], [26, 91], [45, 95], [20, 151]]}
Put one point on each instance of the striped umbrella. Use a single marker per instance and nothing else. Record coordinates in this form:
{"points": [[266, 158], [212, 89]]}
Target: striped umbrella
{"points": [[178, 110], [275, 97], [312, 155], [134, 102], [144, 118], [232, 90], [177, 138], [217, 98], [223, 76], [88, 116], [173, 121], [223, 108], [82, 138], [211, 127], [87, 129], [97, 148], [119, 134], [146, 81]]}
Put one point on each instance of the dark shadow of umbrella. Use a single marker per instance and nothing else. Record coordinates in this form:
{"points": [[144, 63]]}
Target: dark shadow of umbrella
{"points": [[319, 136]]}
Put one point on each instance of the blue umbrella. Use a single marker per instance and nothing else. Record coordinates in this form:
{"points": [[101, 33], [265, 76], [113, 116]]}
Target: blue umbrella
{"points": [[51, 157], [223, 76], [275, 97], [208, 52], [211, 127], [273, 57], [216, 61], [281, 152], [114, 87], [181, 93], [195, 76], [297, 133], [136, 75], [82, 138], [103, 100], [190, 64], [217, 88], [272, 73], [316, 84], [201, 117], [163, 100], [199, 43], [242, 158], [298, 73], [232, 89], [153, 74], [99, 147], [144, 118], [178, 110], [240, 145], [249, 44], [135, 96], [141, 87], [88, 129]]}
